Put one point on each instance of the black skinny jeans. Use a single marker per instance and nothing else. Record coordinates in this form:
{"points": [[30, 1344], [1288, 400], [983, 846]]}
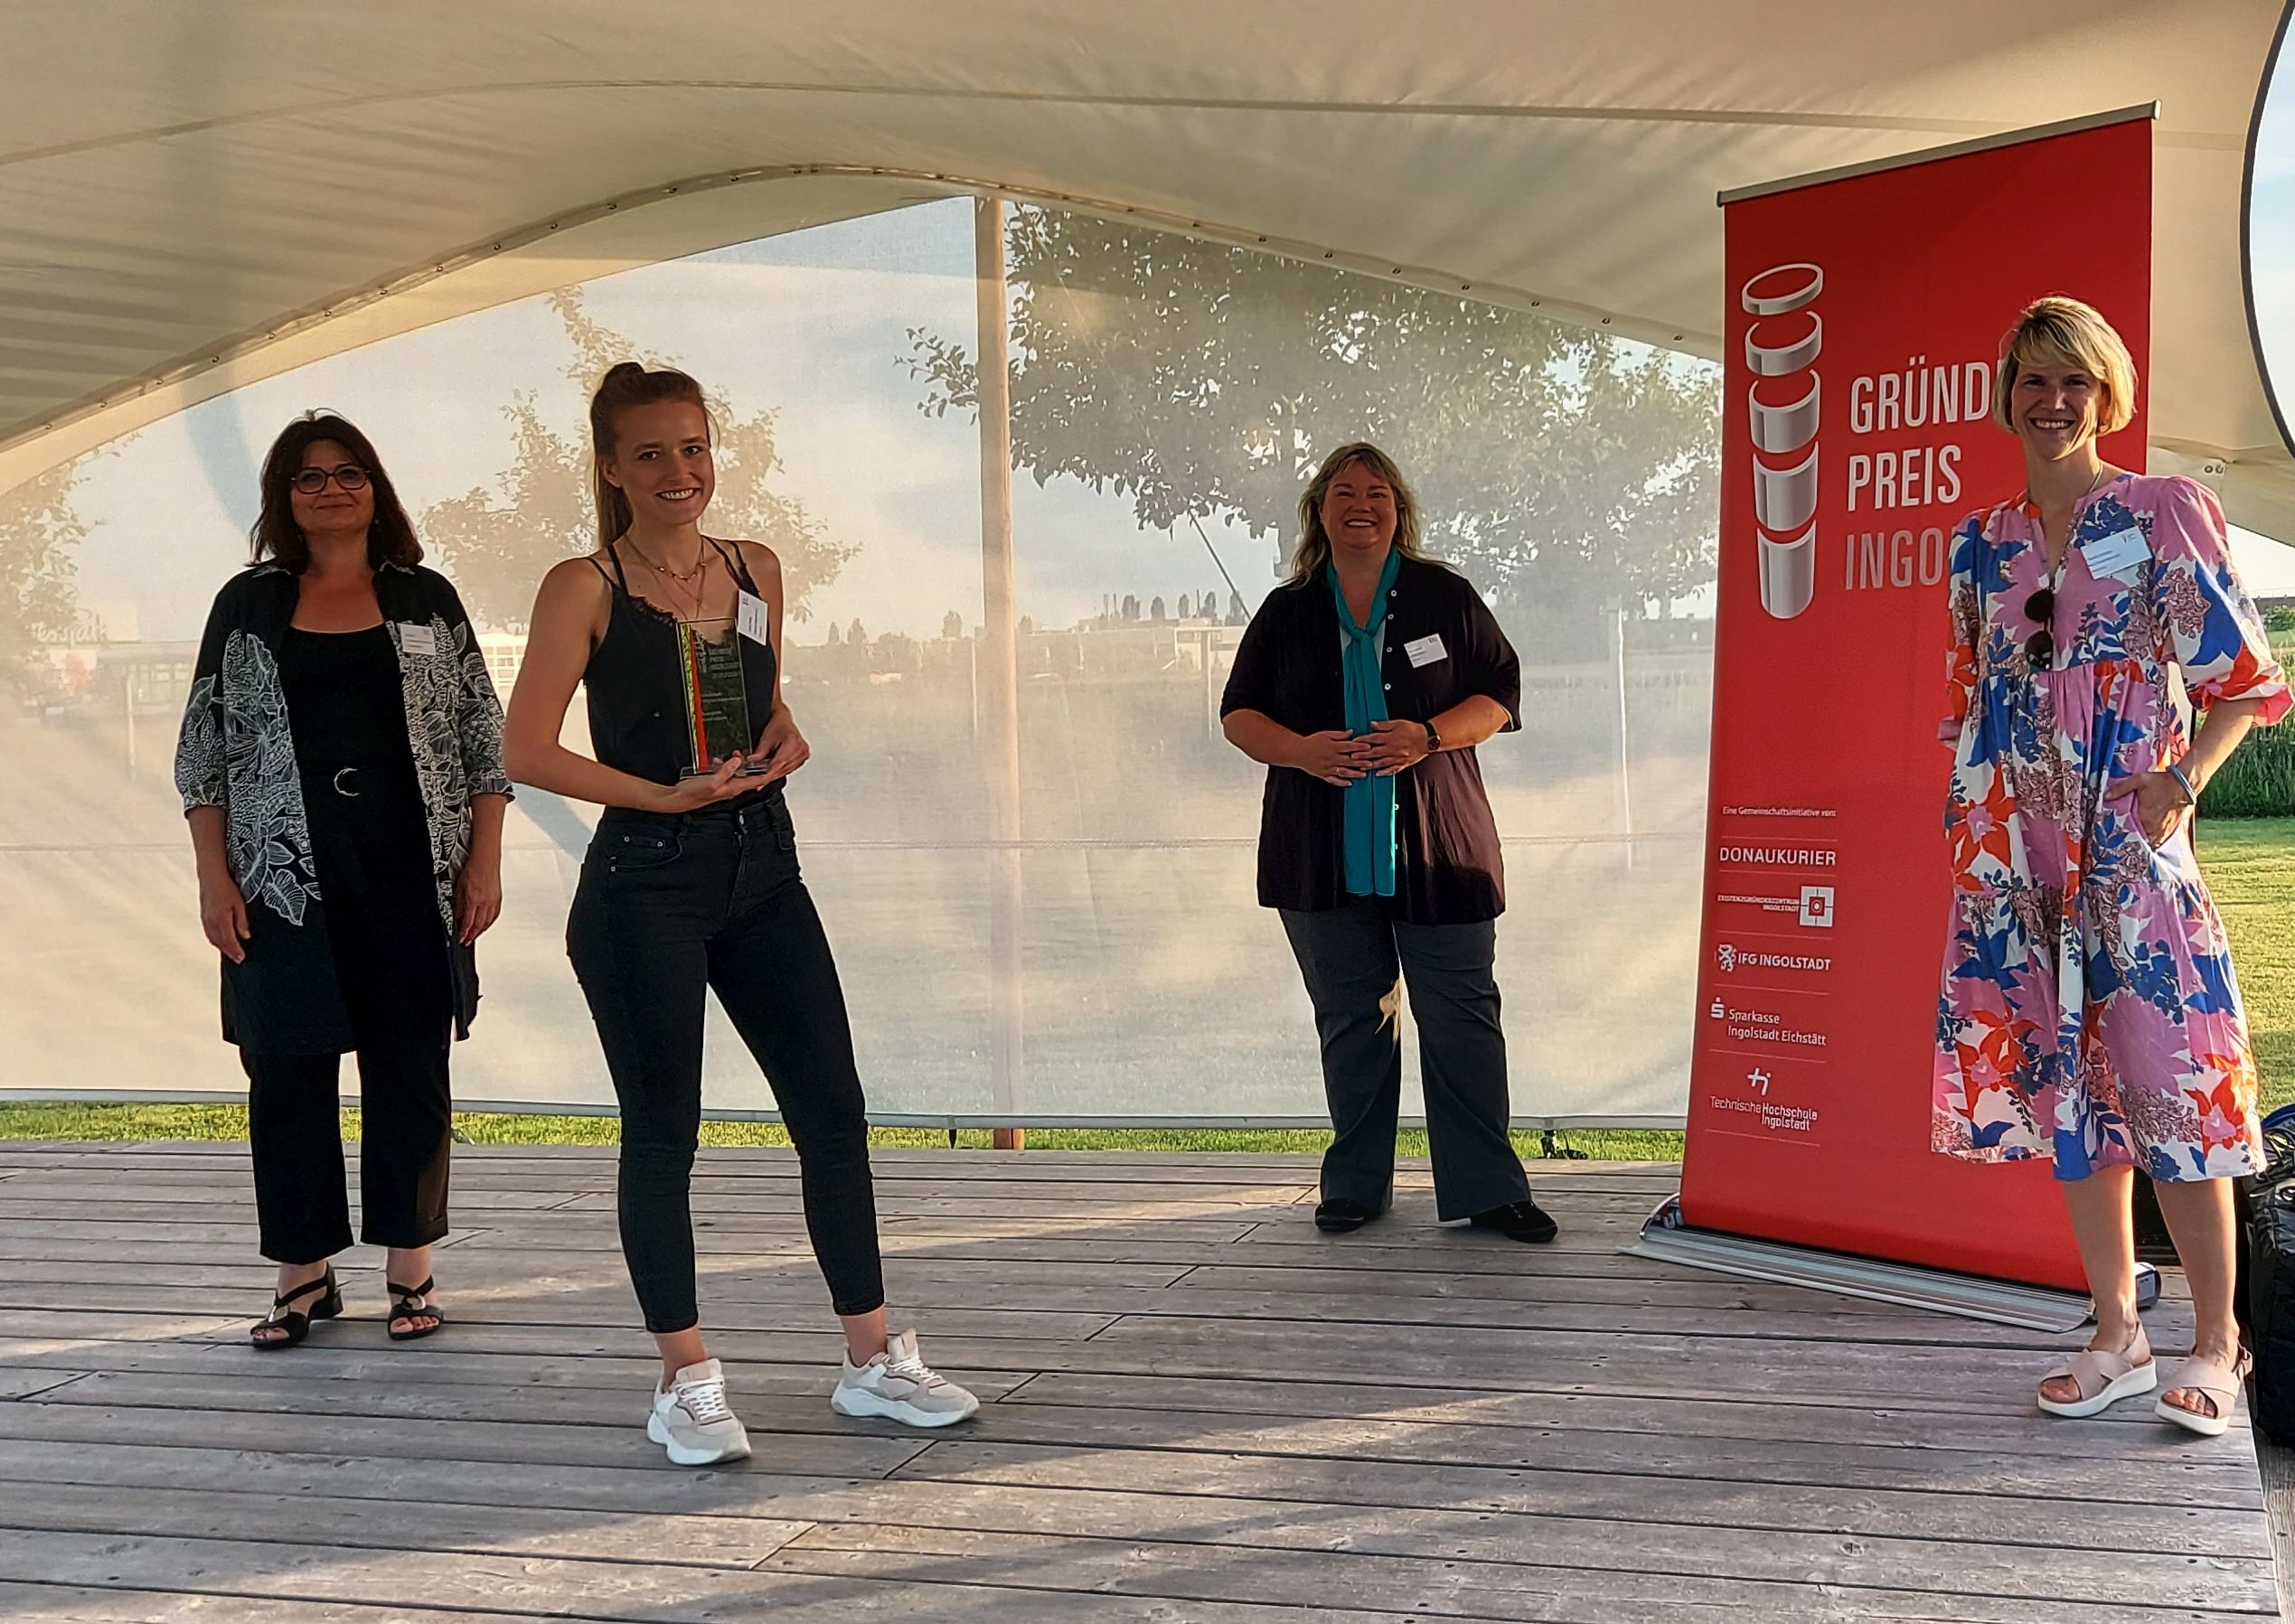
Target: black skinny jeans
{"points": [[671, 905]]}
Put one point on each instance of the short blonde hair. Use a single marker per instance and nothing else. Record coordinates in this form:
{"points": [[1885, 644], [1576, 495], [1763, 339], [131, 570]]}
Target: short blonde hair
{"points": [[2062, 331]]}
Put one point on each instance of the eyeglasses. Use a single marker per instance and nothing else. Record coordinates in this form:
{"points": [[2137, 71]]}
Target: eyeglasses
{"points": [[312, 481], [2040, 648]]}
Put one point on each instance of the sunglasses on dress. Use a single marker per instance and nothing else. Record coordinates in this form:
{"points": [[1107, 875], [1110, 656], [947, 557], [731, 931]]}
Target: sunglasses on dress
{"points": [[2040, 648]]}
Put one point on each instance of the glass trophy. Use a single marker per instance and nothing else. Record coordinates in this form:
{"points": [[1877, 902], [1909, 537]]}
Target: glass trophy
{"points": [[717, 700]]}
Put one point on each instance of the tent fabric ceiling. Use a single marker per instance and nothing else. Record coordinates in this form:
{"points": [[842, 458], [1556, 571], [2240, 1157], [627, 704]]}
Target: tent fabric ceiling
{"points": [[195, 196]]}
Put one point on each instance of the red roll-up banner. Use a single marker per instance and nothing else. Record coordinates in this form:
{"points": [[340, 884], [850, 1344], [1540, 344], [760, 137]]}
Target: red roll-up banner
{"points": [[1864, 319]]}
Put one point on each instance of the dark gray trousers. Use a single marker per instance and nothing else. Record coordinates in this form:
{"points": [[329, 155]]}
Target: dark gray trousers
{"points": [[1350, 956]]}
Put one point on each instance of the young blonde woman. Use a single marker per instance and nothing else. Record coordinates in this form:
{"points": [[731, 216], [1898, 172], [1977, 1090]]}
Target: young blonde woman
{"points": [[691, 885], [2090, 1016]]}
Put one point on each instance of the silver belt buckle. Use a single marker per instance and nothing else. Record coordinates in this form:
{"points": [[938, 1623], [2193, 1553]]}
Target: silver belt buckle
{"points": [[339, 772]]}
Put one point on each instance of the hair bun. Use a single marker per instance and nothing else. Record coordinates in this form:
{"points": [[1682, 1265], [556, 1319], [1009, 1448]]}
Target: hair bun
{"points": [[626, 369]]}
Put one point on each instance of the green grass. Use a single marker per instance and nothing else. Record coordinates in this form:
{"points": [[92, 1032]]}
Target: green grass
{"points": [[2249, 864], [65, 1120]]}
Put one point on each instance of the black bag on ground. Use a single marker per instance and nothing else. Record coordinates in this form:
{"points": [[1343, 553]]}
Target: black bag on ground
{"points": [[2267, 1266]]}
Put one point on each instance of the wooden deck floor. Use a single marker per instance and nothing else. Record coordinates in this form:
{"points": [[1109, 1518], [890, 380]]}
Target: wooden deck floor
{"points": [[1200, 1409]]}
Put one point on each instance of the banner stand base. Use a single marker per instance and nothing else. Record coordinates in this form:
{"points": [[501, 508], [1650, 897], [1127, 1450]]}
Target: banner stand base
{"points": [[1666, 1239]]}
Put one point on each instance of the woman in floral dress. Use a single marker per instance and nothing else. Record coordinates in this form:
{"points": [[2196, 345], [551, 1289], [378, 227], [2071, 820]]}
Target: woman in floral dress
{"points": [[2090, 1015]]}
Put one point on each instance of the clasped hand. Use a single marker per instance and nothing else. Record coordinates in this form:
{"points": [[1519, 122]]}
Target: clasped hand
{"points": [[780, 751], [1338, 757]]}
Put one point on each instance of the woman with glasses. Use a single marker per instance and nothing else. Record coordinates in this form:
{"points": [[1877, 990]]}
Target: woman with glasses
{"points": [[2090, 1016], [341, 769]]}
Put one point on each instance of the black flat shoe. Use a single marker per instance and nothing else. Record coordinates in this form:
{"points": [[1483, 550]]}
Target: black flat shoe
{"points": [[1339, 1215], [286, 1325], [1523, 1220]]}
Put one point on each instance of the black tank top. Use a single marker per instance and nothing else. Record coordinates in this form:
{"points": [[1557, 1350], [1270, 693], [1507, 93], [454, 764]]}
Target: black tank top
{"points": [[636, 706], [344, 700]]}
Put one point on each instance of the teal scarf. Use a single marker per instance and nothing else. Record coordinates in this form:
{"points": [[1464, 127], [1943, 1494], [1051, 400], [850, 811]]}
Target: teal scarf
{"points": [[1369, 809]]}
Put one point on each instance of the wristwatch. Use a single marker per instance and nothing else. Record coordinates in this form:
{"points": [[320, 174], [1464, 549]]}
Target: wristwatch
{"points": [[1433, 739]]}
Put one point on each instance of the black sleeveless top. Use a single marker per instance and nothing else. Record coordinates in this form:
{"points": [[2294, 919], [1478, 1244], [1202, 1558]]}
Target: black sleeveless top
{"points": [[636, 706], [344, 701]]}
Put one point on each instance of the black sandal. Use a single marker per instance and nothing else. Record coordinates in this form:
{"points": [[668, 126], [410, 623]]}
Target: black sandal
{"points": [[294, 1324], [412, 1302]]}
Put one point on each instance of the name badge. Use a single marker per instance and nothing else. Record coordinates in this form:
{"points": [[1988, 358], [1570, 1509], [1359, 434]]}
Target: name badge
{"points": [[1426, 650], [752, 620], [415, 639], [2117, 555]]}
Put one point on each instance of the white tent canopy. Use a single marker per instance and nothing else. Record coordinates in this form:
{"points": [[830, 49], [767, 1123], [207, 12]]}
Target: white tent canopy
{"points": [[199, 195]]}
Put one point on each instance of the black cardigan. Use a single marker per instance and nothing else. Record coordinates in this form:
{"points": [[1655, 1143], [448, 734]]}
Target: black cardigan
{"points": [[1447, 868]]}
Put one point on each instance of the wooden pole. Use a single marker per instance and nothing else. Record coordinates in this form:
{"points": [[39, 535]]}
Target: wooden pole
{"points": [[998, 660]]}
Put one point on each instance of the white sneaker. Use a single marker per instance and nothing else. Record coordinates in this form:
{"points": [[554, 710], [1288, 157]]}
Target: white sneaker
{"points": [[692, 1421], [899, 1385]]}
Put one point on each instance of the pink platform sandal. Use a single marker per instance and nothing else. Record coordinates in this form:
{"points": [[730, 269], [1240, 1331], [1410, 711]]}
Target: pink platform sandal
{"points": [[2103, 1378], [2220, 1383]]}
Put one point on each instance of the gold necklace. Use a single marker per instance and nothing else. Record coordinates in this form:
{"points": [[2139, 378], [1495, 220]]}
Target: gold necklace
{"points": [[694, 584], [2095, 485]]}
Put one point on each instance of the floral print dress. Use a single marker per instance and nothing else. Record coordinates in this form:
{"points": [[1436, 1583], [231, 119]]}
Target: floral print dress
{"points": [[2089, 1012]]}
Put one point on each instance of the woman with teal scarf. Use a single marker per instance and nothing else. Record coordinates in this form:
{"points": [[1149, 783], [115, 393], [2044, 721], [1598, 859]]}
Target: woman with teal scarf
{"points": [[1364, 683]]}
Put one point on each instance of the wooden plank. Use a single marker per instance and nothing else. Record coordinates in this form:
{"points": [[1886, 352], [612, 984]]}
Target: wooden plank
{"points": [[852, 1454], [1407, 1586], [956, 1302], [1952, 1376], [2180, 1490], [2276, 1466], [1969, 1381], [34, 1363], [1423, 1276], [592, 1231], [1202, 1398], [88, 1604], [792, 1275], [2173, 1494], [1859, 1550], [591, 1305], [1628, 1479], [1527, 1407], [25, 1382], [607, 1590], [215, 1512], [1497, 1552], [923, 1279]]}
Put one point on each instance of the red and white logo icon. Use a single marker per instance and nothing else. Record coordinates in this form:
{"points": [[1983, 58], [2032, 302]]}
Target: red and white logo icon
{"points": [[1817, 906], [1781, 348]]}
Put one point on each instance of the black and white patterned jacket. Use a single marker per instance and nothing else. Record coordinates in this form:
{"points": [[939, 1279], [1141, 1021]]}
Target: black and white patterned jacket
{"points": [[236, 751]]}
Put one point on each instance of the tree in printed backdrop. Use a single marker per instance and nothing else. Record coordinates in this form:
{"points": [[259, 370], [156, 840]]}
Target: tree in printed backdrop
{"points": [[39, 531], [1563, 469], [500, 539]]}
